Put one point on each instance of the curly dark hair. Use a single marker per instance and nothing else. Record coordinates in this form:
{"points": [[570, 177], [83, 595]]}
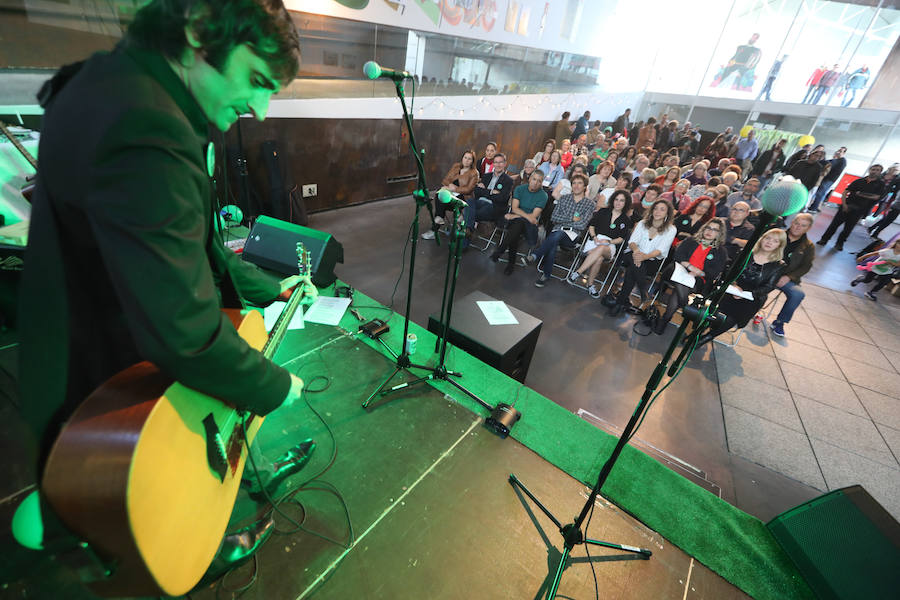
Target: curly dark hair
{"points": [[220, 26]]}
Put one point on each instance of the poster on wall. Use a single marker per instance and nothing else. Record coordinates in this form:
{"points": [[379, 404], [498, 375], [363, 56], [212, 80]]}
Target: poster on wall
{"points": [[505, 21]]}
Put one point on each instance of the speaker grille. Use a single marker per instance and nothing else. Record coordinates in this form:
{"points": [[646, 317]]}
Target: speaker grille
{"points": [[844, 543]]}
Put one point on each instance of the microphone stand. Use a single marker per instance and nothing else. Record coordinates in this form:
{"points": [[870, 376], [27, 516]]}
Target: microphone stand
{"points": [[421, 198], [572, 533]]}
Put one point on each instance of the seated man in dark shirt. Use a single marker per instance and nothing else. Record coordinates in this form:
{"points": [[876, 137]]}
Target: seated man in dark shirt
{"points": [[858, 199], [738, 229], [491, 197], [528, 201]]}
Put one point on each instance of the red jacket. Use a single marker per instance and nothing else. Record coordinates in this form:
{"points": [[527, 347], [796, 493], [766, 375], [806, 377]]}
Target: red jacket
{"points": [[816, 76]]}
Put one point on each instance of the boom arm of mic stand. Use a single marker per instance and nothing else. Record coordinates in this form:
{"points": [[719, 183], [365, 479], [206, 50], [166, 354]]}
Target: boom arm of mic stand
{"points": [[420, 195]]}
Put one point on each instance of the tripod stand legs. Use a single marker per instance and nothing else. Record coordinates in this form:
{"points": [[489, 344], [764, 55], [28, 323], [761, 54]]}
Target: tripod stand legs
{"points": [[572, 536]]}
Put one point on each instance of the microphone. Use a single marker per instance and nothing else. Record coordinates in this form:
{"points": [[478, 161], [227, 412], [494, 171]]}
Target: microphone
{"points": [[445, 196], [231, 215], [373, 70]]}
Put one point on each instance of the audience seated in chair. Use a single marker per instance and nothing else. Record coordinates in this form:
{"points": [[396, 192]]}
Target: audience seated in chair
{"points": [[747, 194], [799, 254], [648, 245], [601, 179], [544, 155], [704, 257], [491, 197], [738, 229], [678, 196], [486, 164], [552, 169], [690, 221], [608, 228], [640, 204], [460, 179], [570, 217], [529, 199], [759, 278]]}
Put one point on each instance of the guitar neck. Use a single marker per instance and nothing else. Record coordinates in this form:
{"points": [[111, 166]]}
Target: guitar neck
{"points": [[15, 142], [281, 325]]}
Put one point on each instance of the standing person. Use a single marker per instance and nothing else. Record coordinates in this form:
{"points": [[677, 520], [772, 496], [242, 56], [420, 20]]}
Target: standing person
{"points": [[799, 254], [620, 125], [771, 77], [800, 154], [581, 125], [759, 278], [808, 171], [885, 263], [716, 150], [570, 216], [648, 245], [768, 163], [827, 81], [647, 135], [563, 128], [832, 171], [812, 83], [634, 132], [529, 200], [486, 164], [123, 227], [747, 151], [856, 81], [858, 199], [890, 206]]}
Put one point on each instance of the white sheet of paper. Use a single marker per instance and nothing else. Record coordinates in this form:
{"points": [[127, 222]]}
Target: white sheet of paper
{"points": [[680, 275], [327, 310], [496, 312], [273, 311], [739, 293], [571, 233]]}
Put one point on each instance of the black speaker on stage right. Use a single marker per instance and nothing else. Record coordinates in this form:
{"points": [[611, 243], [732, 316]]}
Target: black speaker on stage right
{"points": [[272, 244], [844, 543]]}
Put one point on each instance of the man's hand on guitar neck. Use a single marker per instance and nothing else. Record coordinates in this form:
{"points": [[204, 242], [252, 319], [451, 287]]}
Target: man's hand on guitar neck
{"points": [[310, 293]]}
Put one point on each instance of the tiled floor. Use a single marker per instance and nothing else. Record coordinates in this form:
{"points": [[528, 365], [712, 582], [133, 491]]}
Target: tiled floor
{"points": [[821, 405]]}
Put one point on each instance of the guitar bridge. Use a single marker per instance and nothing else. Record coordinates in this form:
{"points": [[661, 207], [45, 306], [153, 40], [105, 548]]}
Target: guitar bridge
{"points": [[215, 448]]}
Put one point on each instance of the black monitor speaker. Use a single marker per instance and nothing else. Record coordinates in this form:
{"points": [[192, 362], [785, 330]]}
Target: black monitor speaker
{"points": [[844, 543], [272, 245]]}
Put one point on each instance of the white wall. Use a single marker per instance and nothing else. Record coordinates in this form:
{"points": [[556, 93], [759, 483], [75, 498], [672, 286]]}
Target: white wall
{"points": [[529, 107]]}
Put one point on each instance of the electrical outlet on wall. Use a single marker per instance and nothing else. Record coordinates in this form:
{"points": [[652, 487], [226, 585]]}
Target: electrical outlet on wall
{"points": [[310, 189]]}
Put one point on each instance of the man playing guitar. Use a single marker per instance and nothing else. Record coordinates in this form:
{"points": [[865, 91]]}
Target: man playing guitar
{"points": [[125, 261]]}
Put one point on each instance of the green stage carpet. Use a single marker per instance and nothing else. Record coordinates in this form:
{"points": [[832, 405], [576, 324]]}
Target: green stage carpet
{"points": [[732, 543]]}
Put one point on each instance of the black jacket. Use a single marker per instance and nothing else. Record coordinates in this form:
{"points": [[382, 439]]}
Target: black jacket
{"points": [[760, 281], [124, 259], [800, 260], [504, 189], [714, 265], [762, 161]]}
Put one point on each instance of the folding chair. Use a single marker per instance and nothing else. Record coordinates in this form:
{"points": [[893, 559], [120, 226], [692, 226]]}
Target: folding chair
{"points": [[735, 338], [578, 259], [499, 229], [568, 265], [653, 280]]}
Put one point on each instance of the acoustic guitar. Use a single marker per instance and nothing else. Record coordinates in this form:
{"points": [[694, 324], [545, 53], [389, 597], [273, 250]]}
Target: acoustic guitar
{"points": [[147, 470]]}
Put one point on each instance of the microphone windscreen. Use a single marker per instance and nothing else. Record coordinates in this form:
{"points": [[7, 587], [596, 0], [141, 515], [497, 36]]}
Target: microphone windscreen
{"points": [[785, 197], [372, 70], [445, 196]]}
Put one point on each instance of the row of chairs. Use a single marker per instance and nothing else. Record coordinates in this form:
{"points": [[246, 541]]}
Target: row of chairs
{"points": [[567, 262]]}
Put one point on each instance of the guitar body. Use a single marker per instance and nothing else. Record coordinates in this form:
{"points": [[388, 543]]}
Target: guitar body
{"points": [[139, 474]]}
